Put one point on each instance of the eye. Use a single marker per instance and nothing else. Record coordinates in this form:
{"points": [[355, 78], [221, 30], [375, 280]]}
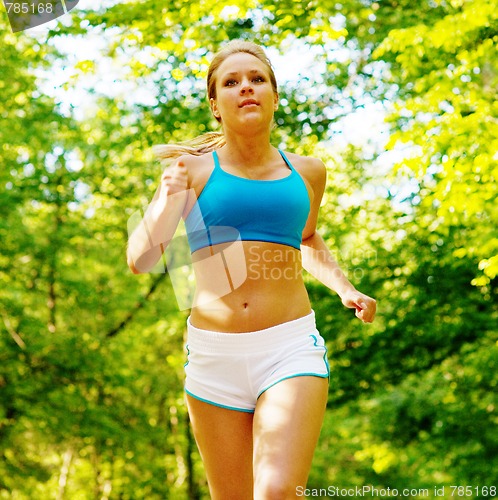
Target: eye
{"points": [[259, 79], [230, 82]]}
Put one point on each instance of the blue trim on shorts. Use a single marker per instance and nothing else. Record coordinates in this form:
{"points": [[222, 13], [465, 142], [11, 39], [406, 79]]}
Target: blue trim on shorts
{"points": [[325, 355], [319, 375], [233, 408]]}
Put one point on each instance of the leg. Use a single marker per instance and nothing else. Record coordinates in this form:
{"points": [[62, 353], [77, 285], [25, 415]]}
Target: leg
{"points": [[287, 424], [224, 439]]}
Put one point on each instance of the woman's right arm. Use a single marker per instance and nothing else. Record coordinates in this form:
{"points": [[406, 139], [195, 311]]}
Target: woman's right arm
{"points": [[158, 225]]}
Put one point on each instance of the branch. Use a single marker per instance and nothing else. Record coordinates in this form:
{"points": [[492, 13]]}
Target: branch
{"points": [[138, 306], [15, 336]]}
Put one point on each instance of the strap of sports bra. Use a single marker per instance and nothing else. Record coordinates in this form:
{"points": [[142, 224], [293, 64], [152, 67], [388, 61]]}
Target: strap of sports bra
{"points": [[289, 164], [217, 160]]}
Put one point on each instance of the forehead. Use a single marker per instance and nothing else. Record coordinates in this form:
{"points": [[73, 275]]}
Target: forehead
{"points": [[241, 62]]}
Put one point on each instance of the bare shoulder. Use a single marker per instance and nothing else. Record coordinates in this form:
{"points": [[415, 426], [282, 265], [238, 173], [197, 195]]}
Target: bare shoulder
{"points": [[195, 161], [312, 169]]}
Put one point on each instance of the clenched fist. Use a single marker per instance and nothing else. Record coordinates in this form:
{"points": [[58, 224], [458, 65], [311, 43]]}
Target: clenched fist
{"points": [[174, 179]]}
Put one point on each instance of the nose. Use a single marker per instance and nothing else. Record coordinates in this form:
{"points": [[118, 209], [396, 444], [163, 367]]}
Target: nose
{"points": [[245, 86]]}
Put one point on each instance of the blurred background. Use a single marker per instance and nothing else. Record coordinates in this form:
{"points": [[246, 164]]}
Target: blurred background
{"points": [[398, 98]]}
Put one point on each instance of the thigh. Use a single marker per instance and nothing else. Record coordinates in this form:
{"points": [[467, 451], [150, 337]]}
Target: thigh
{"points": [[287, 424], [224, 439]]}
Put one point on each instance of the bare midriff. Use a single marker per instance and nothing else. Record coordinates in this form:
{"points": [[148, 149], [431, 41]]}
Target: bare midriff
{"points": [[246, 286]]}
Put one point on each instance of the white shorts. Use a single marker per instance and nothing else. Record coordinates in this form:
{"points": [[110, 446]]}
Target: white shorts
{"points": [[231, 370]]}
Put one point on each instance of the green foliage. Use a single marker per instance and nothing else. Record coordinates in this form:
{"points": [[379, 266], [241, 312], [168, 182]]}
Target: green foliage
{"points": [[449, 116], [91, 402]]}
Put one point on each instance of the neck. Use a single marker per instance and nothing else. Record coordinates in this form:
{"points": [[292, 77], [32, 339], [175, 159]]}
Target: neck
{"points": [[248, 151]]}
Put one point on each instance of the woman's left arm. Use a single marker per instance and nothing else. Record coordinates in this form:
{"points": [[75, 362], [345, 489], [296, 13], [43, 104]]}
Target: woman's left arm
{"points": [[317, 258]]}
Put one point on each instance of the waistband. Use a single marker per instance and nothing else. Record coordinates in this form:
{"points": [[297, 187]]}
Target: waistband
{"points": [[257, 341]]}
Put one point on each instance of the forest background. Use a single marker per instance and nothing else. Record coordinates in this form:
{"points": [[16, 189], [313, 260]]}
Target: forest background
{"points": [[91, 356]]}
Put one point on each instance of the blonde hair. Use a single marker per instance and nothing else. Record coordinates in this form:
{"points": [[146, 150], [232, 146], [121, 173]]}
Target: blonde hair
{"points": [[210, 141]]}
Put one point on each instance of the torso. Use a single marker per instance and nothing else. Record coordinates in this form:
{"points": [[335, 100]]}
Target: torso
{"points": [[246, 285]]}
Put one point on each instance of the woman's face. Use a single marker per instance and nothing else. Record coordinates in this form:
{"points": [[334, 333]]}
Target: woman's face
{"points": [[244, 93]]}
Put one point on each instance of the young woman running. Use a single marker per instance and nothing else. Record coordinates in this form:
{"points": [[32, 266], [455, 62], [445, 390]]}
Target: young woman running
{"points": [[257, 372]]}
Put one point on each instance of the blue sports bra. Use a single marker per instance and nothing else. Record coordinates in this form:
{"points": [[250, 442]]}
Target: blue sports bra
{"points": [[232, 208]]}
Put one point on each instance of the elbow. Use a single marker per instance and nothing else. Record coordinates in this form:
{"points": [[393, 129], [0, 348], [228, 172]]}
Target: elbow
{"points": [[308, 239], [133, 269], [131, 265], [141, 263]]}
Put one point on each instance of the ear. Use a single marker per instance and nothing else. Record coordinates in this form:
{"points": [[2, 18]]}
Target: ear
{"points": [[275, 102], [214, 108]]}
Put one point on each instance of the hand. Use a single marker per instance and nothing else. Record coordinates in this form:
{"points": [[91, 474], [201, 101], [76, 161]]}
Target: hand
{"points": [[174, 179], [365, 306], [165, 210]]}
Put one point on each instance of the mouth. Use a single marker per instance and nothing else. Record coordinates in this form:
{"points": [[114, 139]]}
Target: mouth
{"points": [[248, 102]]}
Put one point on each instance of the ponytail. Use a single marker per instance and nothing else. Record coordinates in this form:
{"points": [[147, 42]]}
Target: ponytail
{"points": [[202, 144]]}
